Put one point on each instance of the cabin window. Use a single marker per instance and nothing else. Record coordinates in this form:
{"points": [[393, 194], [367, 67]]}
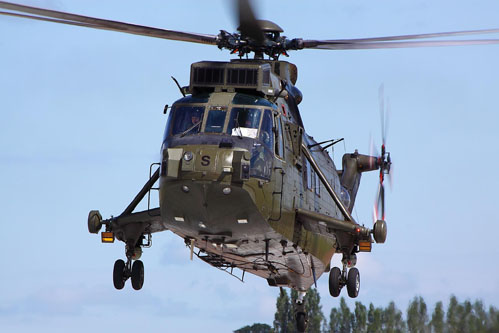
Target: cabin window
{"points": [[216, 120], [317, 186], [310, 176], [266, 135], [313, 180], [244, 122], [279, 140], [186, 120]]}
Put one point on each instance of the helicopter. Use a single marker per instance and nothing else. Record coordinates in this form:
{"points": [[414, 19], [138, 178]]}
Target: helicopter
{"points": [[312, 218]]}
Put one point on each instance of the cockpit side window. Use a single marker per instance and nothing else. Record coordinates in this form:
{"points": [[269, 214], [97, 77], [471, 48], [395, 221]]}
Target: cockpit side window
{"points": [[184, 119], [244, 122], [266, 135], [216, 120], [279, 140]]}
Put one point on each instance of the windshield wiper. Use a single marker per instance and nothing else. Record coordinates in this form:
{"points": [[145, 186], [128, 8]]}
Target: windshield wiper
{"points": [[191, 128], [240, 135]]}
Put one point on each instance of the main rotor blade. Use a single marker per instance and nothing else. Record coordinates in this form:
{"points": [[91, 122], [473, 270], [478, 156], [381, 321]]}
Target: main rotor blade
{"points": [[416, 36], [96, 23], [337, 45], [248, 24]]}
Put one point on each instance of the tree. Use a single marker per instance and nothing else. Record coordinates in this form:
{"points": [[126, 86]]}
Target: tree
{"points": [[255, 328], [417, 317], [345, 318], [481, 316], [360, 318], [283, 313], [292, 311], [392, 320], [493, 320], [454, 313], [374, 319], [313, 309], [437, 318], [334, 321]]}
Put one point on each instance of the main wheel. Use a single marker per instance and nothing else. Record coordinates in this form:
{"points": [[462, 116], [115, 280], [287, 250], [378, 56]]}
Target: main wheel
{"points": [[334, 282], [301, 322], [137, 275], [353, 282], [118, 274]]}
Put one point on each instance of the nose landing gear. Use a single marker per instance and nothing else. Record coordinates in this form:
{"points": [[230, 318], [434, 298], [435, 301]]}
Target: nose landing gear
{"points": [[300, 314]]}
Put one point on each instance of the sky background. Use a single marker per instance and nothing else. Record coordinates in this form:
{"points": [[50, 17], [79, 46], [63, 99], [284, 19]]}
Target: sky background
{"points": [[81, 121]]}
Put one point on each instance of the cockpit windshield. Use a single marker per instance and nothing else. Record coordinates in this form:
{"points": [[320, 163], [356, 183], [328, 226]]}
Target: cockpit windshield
{"points": [[186, 120], [244, 122]]}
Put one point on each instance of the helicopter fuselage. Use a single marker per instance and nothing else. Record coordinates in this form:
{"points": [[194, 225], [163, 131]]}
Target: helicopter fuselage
{"points": [[230, 187]]}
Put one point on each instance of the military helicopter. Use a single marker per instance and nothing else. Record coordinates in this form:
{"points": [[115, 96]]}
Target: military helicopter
{"points": [[240, 181]]}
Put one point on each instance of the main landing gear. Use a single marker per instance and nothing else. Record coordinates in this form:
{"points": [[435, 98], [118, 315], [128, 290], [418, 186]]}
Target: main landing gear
{"points": [[350, 278], [122, 271], [133, 269]]}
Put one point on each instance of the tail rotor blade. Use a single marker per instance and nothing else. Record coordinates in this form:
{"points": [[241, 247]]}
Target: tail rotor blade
{"points": [[381, 98]]}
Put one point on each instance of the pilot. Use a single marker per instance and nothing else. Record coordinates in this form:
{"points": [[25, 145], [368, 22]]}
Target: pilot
{"points": [[190, 122], [194, 119]]}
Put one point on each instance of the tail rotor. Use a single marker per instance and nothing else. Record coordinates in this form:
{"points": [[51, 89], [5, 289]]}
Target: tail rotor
{"points": [[383, 160]]}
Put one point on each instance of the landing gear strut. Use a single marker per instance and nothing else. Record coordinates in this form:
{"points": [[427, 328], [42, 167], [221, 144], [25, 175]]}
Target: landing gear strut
{"points": [[350, 278], [300, 314]]}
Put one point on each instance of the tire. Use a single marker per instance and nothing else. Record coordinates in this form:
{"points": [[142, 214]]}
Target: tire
{"points": [[301, 322], [118, 274], [353, 282], [380, 231], [94, 222], [137, 275], [334, 282]]}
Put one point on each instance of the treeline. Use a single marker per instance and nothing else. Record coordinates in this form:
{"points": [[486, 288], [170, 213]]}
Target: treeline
{"points": [[466, 317]]}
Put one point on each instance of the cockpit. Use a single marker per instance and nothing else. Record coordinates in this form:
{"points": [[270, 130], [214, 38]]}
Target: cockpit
{"points": [[245, 121], [190, 117]]}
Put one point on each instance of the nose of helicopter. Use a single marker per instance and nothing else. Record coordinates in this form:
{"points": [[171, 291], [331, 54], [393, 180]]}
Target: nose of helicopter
{"points": [[209, 208], [202, 190]]}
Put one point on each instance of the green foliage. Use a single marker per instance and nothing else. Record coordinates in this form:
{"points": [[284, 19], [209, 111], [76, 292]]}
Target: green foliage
{"points": [[392, 321], [454, 312], [437, 318], [417, 316], [374, 317], [255, 328], [314, 310], [283, 314], [360, 318], [334, 321], [468, 317]]}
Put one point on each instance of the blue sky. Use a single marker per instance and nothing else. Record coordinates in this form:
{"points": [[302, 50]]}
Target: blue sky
{"points": [[82, 120]]}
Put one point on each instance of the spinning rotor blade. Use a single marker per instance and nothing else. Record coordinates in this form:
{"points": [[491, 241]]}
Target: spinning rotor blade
{"points": [[383, 160], [389, 41], [416, 36], [355, 45], [379, 207], [248, 24], [96, 23]]}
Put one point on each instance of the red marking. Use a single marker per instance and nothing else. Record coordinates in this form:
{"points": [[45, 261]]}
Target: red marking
{"points": [[283, 109]]}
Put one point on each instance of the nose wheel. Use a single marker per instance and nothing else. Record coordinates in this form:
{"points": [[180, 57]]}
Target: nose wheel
{"points": [[301, 317]]}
